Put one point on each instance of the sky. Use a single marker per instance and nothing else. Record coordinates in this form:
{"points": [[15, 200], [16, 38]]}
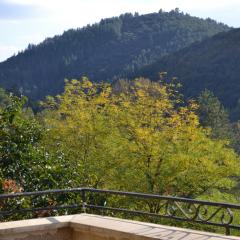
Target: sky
{"points": [[31, 21]]}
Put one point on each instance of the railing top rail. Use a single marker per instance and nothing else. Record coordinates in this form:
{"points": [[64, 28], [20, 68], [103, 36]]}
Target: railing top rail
{"points": [[155, 196], [39, 193], [133, 194]]}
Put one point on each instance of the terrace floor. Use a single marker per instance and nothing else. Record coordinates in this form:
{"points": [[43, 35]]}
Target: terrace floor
{"points": [[94, 227]]}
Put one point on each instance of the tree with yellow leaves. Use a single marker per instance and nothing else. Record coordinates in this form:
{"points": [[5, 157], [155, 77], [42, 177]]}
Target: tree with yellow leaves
{"points": [[136, 136], [80, 134], [168, 152]]}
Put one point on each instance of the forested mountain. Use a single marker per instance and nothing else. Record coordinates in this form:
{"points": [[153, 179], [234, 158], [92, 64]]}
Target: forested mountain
{"points": [[114, 47], [211, 64]]}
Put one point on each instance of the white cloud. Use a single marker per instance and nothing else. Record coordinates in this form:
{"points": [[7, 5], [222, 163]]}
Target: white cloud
{"points": [[75, 13], [206, 4], [22, 2], [72, 4], [18, 2]]}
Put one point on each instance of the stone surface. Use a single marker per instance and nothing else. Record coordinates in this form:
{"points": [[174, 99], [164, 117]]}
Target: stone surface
{"points": [[57, 234], [93, 227]]}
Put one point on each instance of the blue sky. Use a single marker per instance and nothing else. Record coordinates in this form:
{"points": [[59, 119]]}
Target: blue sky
{"points": [[31, 21]]}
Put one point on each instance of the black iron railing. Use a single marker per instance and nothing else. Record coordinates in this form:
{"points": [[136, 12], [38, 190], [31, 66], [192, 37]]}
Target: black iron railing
{"points": [[149, 205]]}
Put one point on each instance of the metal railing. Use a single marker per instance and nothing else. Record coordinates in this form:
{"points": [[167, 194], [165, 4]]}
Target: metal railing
{"points": [[87, 199]]}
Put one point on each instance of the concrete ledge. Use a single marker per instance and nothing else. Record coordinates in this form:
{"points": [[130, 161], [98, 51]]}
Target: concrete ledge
{"points": [[93, 227]]}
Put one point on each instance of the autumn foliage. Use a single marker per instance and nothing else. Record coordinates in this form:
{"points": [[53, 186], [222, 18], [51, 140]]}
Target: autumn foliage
{"points": [[136, 136]]}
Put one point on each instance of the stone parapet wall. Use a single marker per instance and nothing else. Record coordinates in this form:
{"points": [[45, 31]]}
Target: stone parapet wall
{"points": [[57, 234]]}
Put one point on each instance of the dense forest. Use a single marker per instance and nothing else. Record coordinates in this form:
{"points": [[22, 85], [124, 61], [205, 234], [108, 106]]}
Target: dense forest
{"points": [[113, 48], [212, 64]]}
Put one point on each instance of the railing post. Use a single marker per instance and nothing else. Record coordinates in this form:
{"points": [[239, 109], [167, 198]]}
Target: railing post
{"points": [[84, 209], [227, 230]]}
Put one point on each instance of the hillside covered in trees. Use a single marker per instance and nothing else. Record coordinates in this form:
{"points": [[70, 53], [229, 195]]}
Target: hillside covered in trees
{"points": [[113, 48], [212, 64]]}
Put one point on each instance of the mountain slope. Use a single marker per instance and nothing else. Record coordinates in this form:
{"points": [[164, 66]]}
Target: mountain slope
{"points": [[212, 64], [114, 47]]}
